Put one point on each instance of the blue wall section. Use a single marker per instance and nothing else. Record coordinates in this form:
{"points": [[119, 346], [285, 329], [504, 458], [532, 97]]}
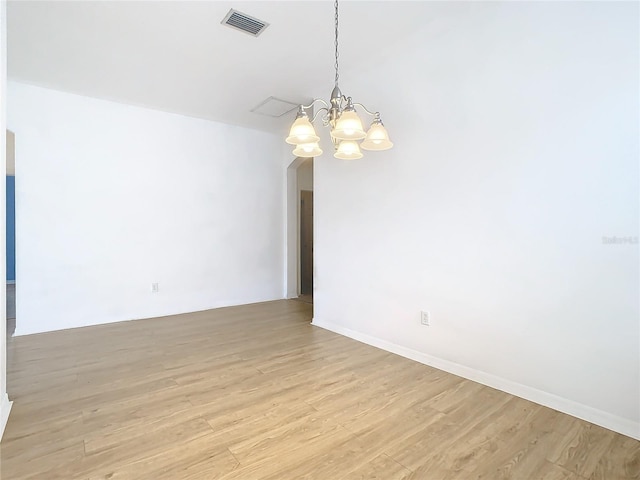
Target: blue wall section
{"points": [[11, 228]]}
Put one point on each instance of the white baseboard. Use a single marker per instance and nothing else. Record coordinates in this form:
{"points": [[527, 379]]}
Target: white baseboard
{"points": [[564, 405], [5, 408]]}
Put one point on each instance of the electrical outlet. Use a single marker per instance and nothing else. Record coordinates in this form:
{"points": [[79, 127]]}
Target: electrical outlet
{"points": [[425, 318], [155, 287]]}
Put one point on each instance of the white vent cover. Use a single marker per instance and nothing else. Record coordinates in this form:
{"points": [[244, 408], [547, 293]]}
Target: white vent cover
{"points": [[274, 107], [244, 23]]}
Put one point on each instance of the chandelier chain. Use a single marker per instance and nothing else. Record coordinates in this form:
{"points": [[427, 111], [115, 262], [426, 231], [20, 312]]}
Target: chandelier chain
{"points": [[336, 42], [339, 114]]}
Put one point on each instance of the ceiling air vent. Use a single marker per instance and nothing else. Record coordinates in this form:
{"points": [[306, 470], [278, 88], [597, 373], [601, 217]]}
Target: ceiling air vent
{"points": [[275, 107], [243, 22]]}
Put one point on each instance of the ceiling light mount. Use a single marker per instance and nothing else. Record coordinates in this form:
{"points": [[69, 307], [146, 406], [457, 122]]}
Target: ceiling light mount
{"points": [[341, 117]]}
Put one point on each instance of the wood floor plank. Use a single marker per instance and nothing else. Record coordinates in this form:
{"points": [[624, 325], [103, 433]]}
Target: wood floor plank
{"points": [[288, 436], [151, 443], [257, 393], [434, 451], [200, 458], [40, 462], [48, 438], [581, 449], [128, 424], [381, 467], [621, 460], [520, 450]]}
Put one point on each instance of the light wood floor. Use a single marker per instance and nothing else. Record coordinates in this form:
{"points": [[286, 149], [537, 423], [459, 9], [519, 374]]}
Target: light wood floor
{"points": [[255, 392]]}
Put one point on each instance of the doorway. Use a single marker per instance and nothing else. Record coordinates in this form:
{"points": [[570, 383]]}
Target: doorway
{"points": [[300, 278], [306, 243]]}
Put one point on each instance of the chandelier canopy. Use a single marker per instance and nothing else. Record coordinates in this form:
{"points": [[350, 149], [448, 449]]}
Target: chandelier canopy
{"points": [[340, 115]]}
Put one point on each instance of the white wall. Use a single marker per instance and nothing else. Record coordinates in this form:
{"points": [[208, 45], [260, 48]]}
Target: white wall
{"points": [[5, 404], [516, 131], [111, 198]]}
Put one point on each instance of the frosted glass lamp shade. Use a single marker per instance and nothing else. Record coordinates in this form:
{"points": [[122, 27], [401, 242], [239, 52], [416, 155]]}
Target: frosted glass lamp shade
{"points": [[348, 150], [377, 138], [308, 150], [349, 127], [302, 132]]}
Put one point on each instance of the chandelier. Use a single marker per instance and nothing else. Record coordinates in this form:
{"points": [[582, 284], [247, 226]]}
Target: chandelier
{"points": [[345, 124]]}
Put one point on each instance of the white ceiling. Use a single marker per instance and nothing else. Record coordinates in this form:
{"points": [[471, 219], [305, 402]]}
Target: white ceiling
{"points": [[176, 56]]}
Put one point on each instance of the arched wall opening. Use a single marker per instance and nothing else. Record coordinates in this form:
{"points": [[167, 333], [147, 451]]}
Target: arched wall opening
{"points": [[299, 184]]}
